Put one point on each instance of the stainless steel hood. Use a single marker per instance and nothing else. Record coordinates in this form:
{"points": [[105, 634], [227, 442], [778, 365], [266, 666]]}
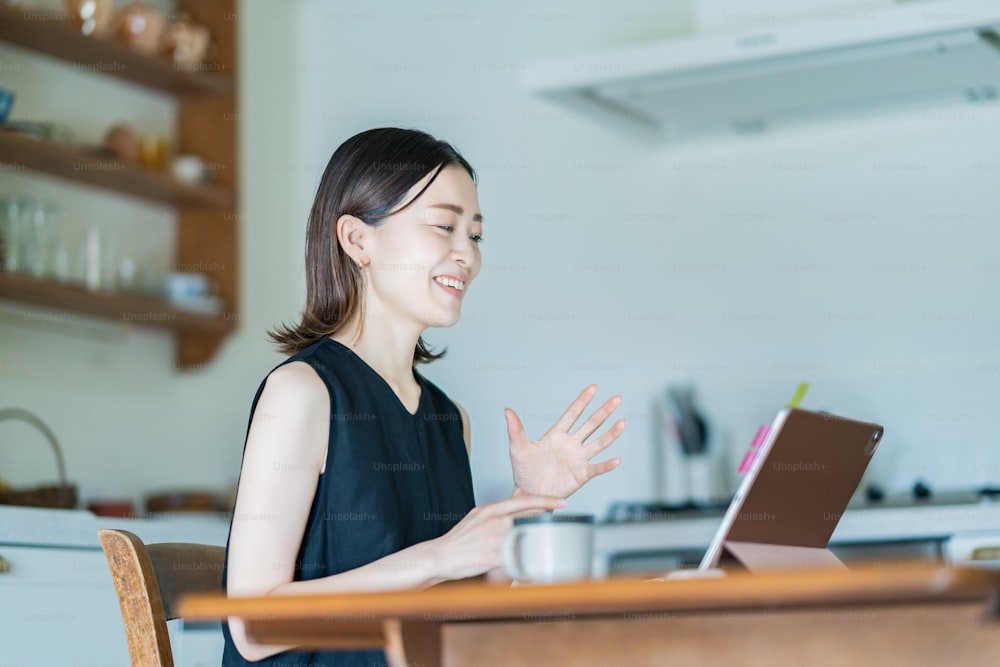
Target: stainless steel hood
{"points": [[847, 64]]}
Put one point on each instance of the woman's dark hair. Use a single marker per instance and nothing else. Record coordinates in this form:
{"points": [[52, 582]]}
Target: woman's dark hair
{"points": [[367, 177]]}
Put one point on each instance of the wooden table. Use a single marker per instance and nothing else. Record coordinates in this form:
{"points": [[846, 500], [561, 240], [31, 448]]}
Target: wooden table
{"points": [[889, 616]]}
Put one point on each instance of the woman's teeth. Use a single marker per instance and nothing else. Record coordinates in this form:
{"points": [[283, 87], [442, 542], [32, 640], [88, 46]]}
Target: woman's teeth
{"points": [[450, 282]]}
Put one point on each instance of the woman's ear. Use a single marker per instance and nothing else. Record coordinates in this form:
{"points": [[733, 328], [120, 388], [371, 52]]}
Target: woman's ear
{"points": [[352, 234]]}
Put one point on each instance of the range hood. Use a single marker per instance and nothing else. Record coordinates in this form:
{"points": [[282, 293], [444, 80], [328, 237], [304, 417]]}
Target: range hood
{"points": [[844, 64]]}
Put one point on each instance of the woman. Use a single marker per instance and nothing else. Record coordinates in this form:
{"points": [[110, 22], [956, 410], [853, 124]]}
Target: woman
{"points": [[355, 470]]}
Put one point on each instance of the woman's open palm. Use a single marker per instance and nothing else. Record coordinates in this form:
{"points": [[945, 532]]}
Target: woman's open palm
{"points": [[558, 463]]}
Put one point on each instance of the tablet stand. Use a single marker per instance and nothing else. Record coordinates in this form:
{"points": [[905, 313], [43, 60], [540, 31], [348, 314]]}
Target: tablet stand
{"points": [[770, 557]]}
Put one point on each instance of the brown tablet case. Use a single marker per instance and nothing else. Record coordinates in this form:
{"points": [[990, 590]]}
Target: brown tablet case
{"points": [[799, 491]]}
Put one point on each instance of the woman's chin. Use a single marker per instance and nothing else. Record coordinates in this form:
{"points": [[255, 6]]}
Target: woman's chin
{"points": [[443, 319]]}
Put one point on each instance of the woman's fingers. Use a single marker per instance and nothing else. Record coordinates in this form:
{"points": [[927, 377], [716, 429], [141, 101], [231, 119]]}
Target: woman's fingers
{"points": [[597, 446], [516, 504], [515, 429], [598, 418], [525, 502], [595, 469], [575, 409], [475, 542]]}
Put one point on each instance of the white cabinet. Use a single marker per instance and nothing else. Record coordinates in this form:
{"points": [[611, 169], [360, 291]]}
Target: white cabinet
{"points": [[57, 601], [58, 607]]}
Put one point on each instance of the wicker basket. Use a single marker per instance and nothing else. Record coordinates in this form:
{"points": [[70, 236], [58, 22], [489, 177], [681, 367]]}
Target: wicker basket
{"points": [[62, 495]]}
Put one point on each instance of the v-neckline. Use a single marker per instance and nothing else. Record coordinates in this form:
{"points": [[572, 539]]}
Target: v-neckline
{"points": [[388, 387]]}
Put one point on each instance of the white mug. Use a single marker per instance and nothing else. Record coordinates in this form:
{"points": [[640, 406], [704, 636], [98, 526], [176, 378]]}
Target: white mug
{"points": [[550, 548]]}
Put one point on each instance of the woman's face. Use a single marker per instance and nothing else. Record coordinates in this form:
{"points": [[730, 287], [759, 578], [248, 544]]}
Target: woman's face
{"points": [[424, 258]]}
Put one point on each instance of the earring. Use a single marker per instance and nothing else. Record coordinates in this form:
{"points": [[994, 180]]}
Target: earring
{"points": [[364, 263]]}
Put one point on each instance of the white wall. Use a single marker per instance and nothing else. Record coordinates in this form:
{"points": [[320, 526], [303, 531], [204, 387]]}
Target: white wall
{"points": [[860, 257]]}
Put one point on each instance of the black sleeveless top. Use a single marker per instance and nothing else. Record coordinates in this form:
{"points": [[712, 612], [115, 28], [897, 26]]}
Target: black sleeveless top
{"points": [[392, 479]]}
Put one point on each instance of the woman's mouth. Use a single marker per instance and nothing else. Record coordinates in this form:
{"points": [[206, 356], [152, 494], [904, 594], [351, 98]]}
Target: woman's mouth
{"points": [[452, 286]]}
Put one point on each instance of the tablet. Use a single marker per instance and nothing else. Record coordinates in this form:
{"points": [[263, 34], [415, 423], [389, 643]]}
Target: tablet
{"points": [[791, 500]]}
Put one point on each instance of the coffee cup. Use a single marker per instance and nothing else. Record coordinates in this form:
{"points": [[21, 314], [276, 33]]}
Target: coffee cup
{"points": [[550, 548]]}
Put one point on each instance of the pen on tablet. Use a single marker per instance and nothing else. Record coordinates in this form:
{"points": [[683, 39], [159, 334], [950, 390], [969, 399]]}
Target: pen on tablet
{"points": [[799, 394]]}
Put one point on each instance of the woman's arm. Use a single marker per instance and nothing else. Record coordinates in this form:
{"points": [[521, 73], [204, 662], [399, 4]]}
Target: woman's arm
{"points": [[282, 460], [284, 455]]}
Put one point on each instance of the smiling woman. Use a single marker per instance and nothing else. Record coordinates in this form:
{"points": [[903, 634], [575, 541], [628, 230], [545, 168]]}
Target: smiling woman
{"points": [[355, 473], [373, 175]]}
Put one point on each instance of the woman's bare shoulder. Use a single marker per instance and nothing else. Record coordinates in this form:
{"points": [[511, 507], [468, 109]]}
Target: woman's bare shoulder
{"points": [[295, 383], [292, 416]]}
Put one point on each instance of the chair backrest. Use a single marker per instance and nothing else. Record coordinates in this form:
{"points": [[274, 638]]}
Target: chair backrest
{"points": [[149, 581]]}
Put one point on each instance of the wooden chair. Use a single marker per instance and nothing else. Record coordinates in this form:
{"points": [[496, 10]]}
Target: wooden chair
{"points": [[149, 581]]}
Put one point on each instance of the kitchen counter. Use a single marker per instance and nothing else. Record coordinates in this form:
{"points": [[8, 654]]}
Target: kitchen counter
{"points": [[680, 532], [36, 526]]}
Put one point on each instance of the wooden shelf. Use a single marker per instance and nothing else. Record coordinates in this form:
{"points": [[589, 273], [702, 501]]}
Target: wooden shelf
{"points": [[207, 219], [139, 310], [55, 36], [55, 159]]}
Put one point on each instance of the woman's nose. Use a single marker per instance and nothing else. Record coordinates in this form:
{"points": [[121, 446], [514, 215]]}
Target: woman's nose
{"points": [[465, 251]]}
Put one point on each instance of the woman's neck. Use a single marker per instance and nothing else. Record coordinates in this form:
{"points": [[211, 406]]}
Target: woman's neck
{"points": [[388, 350]]}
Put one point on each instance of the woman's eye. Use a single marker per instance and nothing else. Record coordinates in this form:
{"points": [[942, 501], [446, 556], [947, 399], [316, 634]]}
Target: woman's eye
{"points": [[476, 238]]}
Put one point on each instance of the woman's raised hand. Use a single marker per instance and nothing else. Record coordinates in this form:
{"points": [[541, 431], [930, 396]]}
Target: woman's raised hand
{"points": [[559, 462], [473, 546]]}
